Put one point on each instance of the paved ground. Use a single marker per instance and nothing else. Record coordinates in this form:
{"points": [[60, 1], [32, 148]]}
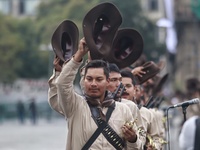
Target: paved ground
{"points": [[42, 136], [45, 135]]}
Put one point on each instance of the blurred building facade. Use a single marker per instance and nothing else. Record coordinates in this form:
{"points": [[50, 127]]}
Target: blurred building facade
{"points": [[154, 10], [186, 15], [19, 8], [24, 89], [188, 48]]}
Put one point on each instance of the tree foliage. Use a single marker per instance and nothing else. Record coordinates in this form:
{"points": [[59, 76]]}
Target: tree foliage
{"points": [[10, 47], [20, 57], [35, 62]]}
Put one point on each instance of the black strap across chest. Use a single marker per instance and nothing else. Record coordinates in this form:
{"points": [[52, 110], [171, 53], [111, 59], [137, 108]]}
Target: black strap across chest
{"points": [[104, 128]]}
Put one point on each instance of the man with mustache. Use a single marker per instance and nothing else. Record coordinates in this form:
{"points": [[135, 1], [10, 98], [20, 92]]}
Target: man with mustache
{"points": [[82, 112], [147, 116], [115, 80]]}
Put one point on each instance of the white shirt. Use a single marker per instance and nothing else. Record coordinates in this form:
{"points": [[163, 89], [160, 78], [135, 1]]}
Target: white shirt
{"points": [[187, 136]]}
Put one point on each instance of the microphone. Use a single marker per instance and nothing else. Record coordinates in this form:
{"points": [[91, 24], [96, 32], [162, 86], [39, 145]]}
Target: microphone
{"points": [[186, 103]]}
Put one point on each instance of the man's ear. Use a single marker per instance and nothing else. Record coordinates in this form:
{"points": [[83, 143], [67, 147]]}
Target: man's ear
{"points": [[108, 80]]}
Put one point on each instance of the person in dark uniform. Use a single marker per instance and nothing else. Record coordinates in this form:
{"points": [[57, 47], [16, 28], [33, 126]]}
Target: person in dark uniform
{"points": [[33, 111], [21, 111]]}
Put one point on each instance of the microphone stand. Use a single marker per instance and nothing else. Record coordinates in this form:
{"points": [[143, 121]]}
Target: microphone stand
{"points": [[168, 127]]}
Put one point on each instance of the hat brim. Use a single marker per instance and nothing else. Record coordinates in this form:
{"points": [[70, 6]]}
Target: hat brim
{"points": [[64, 40]]}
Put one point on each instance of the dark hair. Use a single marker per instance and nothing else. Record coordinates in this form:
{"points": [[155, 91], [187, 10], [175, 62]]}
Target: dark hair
{"points": [[98, 64], [192, 84], [128, 74], [113, 68]]}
